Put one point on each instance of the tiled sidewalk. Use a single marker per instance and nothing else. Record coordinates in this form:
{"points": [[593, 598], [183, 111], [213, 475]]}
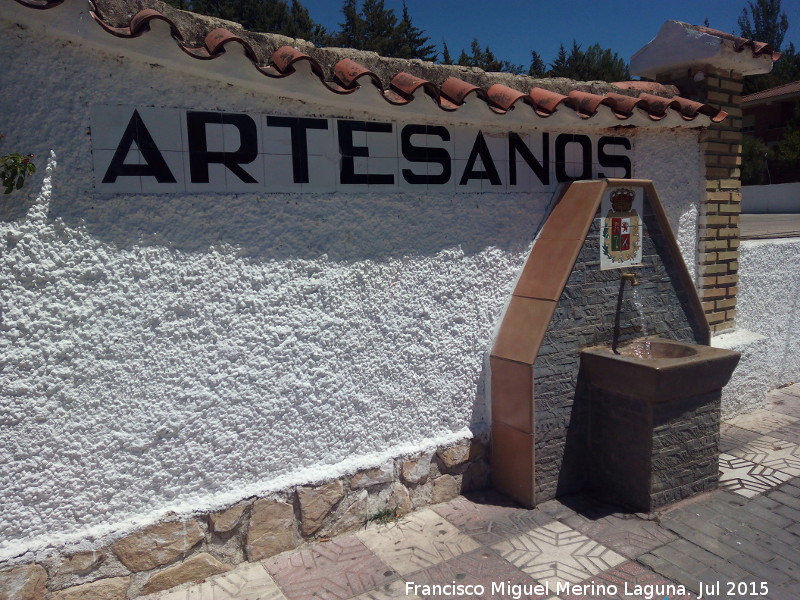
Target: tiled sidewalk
{"points": [[746, 533]]}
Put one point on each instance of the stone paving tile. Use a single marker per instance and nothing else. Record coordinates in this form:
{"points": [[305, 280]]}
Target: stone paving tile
{"points": [[249, 581], [790, 433], [787, 404], [734, 437], [628, 580], [420, 540], [338, 569], [773, 453], [762, 420], [491, 520], [626, 534], [746, 478], [388, 591], [557, 553], [483, 567], [687, 564]]}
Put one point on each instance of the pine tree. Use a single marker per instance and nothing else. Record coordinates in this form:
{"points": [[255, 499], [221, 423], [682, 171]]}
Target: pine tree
{"points": [[593, 64], [412, 42], [537, 68], [351, 33], [764, 21], [447, 59], [558, 68], [485, 59], [380, 28]]}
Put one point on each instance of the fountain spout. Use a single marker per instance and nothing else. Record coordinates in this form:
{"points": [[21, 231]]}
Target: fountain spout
{"points": [[615, 335]]}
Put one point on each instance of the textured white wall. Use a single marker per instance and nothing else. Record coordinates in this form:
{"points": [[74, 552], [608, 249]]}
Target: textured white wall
{"points": [[767, 320], [181, 352]]}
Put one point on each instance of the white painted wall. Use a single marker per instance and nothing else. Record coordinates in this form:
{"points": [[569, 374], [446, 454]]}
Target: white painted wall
{"points": [[180, 352], [768, 323], [780, 198]]}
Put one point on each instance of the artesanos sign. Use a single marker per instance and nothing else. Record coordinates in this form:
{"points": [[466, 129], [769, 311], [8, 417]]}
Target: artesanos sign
{"points": [[153, 150]]}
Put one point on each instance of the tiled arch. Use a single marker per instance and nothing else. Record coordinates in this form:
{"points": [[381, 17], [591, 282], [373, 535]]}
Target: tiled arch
{"points": [[528, 316]]}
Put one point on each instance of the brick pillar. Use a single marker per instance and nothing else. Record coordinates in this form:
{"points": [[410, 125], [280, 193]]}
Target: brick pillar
{"points": [[718, 226]]}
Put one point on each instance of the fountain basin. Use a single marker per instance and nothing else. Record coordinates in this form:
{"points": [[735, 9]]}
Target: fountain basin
{"points": [[658, 370], [655, 415]]}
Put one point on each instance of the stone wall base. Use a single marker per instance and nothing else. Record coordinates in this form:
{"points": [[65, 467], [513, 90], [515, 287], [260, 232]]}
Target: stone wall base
{"points": [[171, 553]]}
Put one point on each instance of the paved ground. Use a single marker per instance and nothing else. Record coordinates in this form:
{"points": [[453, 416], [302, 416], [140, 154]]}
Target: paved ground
{"points": [[742, 541], [754, 227]]}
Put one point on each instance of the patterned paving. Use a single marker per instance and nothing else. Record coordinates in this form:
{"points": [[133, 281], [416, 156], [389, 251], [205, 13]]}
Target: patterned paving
{"points": [[484, 539], [341, 568], [747, 478], [420, 540], [763, 420], [491, 520], [556, 553], [249, 581], [732, 437], [773, 453], [628, 580], [625, 534], [498, 578]]}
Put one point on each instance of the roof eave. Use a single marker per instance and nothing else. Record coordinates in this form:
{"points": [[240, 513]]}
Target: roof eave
{"points": [[678, 47]]}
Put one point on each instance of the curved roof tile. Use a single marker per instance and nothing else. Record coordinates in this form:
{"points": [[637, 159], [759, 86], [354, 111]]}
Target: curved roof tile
{"points": [[739, 43], [347, 75]]}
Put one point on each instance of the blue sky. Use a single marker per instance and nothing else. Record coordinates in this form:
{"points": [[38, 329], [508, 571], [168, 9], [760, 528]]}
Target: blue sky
{"points": [[512, 28]]}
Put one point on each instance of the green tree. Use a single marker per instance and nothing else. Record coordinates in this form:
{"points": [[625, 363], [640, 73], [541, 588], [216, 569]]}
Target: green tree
{"points": [[380, 28], [788, 149], [412, 43], [485, 59], [593, 64], [537, 68], [352, 30], [754, 161], [447, 59], [559, 67], [270, 16], [764, 21]]}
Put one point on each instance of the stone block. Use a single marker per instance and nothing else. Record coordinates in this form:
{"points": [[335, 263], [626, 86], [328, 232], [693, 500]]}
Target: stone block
{"points": [[350, 515], [416, 470], [158, 545], [401, 499], [445, 488], [455, 455], [316, 504], [28, 582], [476, 477], [115, 588], [193, 569], [375, 476], [227, 520], [273, 529], [80, 563]]}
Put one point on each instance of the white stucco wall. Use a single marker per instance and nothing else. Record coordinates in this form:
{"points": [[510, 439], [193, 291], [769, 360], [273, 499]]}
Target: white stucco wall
{"points": [[180, 352], [768, 323]]}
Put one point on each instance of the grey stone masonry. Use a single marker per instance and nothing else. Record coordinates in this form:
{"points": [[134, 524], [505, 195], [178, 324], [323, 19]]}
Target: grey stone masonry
{"points": [[584, 316], [175, 552]]}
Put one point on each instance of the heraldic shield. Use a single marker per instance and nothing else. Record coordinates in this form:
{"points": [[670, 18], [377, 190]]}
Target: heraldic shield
{"points": [[622, 229]]}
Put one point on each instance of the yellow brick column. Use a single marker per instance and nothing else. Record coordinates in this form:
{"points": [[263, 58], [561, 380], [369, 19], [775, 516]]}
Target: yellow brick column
{"points": [[718, 226]]}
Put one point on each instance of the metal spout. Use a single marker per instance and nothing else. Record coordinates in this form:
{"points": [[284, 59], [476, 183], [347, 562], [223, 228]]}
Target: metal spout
{"points": [[629, 277]]}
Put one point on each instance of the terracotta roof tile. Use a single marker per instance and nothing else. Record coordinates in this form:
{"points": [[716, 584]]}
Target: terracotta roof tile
{"points": [[787, 89], [739, 43], [546, 102], [348, 75]]}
